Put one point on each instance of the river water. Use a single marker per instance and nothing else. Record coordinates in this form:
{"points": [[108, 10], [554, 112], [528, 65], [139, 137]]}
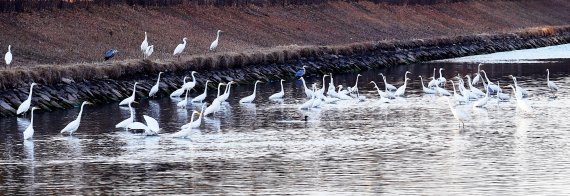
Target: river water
{"points": [[410, 146]]}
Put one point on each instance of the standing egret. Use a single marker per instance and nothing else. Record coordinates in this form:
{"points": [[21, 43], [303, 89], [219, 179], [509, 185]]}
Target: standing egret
{"points": [[154, 88], [201, 97], [300, 72], [521, 104], [178, 50], [197, 122], [214, 44], [181, 90], [226, 94], [26, 104], [110, 53], [473, 89], [426, 90], [388, 86], [125, 123], [148, 51], [402, 89], [144, 45], [183, 103], [131, 98], [460, 99], [551, 85], [477, 75], [441, 79], [343, 94], [482, 102], [8, 56], [215, 106], [433, 81], [250, 98], [280, 94], [355, 87], [492, 87], [502, 96], [442, 91], [150, 129], [382, 98], [460, 115], [184, 133], [190, 85], [29, 132], [308, 91], [74, 125], [520, 91]]}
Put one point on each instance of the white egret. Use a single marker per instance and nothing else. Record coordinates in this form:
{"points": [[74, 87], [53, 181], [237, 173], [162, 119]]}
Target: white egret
{"points": [[214, 44], [460, 99], [354, 88], [490, 85], [317, 101], [473, 89], [332, 89], [130, 99], [154, 88], [250, 98], [196, 123], [502, 96], [178, 50], [441, 79], [433, 81], [520, 90], [215, 106], [8, 56], [26, 104], [144, 44], [380, 93], [226, 94], [441, 91], [280, 94], [190, 85], [551, 85], [202, 96], [184, 133], [181, 90], [388, 86], [483, 101], [74, 125], [521, 104], [426, 90], [477, 75], [184, 102], [308, 91], [402, 89], [29, 132], [342, 94], [125, 123], [148, 51], [320, 92], [151, 128], [459, 115]]}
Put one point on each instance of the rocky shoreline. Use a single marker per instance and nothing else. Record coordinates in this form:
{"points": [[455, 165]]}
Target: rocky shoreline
{"points": [[69, 93]]}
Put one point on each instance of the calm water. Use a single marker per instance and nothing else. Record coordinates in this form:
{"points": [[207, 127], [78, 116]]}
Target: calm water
{"points": [[409, 146]]}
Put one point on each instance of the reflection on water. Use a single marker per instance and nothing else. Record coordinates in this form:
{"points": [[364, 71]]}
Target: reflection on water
{"points": [[409, 146]]}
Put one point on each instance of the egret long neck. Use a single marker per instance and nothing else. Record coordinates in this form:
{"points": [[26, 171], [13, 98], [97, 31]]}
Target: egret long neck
{"points": [[134, 89], [158, 80], [422, 81], [9, 48], [193, 78], [30, 94], [32, 118], [304, 84], [218, 36], [206, 88], [440, 75], [80, 112], [254, 88], [219, 90], [282, 90], [547, 76]]}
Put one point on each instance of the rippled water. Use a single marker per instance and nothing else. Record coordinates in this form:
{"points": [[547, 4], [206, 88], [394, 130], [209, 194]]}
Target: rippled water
{"points": [[409, 146]]}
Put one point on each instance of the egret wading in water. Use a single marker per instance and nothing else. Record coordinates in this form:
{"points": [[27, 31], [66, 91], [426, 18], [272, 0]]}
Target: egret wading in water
{"points": [[154, 88], [308, 91], [190, 85], [521, 104], [144, 45], [181, 90], [125, 123], [184, 133], [425, 89], [180, 48], [74, 125], [477, 75], [280, 94], [26, 104], [201, 97], [197, 122], [300, 72], [441, 79], [110, 53], [183, 103], [150, 129], [459, 115], [250, 98], [214, 44], [433, 81], [130, 99], [29, 132], [148, 51], [388, 86], [8, 56], [400, 91], [215, 104], [551, 85]]}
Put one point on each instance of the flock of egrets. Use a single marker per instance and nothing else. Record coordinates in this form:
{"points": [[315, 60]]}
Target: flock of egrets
{"points": [[146, 49], [317, 97]]}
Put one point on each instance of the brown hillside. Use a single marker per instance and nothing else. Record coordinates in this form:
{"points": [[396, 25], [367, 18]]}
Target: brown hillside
{"points": [[82, 35]]}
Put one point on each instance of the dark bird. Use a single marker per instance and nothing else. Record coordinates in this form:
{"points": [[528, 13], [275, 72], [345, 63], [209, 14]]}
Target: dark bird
{"points": [[110, 53], [300, 72]]}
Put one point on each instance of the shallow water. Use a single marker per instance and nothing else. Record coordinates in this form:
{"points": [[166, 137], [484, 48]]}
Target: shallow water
{"points": [[409, 146]]}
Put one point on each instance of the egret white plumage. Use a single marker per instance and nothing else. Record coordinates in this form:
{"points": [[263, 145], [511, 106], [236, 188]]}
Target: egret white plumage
{"points": [[388, 86], [551, 85], [477, 75], [426, 90], [226, 94], [125, 123], [473, 89], [150, 129], [308, 91], [130, 99], [202, 96], [181, 90], [184, 133], [29, 132], [74, 125], [460, 99], [354, 88], [433, 81], [190, 85], [197, 122], [521, 103], [154, 88], [110, 53], [402, 89], [301, 72], [148, 51], [280, 94], [184, 102], [441, 79], [520, 90], [215, 106], [214, 44], [483, 101], [180, 48], [8, 56], [144, 44], [317, 101], [250, 98], [459, 115], [441, 91], [26, 104], [380, 93], [502, 96], [492, 87]]}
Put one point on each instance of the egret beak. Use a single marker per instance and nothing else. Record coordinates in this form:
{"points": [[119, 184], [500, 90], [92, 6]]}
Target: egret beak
{"points": [[87, 102]]}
